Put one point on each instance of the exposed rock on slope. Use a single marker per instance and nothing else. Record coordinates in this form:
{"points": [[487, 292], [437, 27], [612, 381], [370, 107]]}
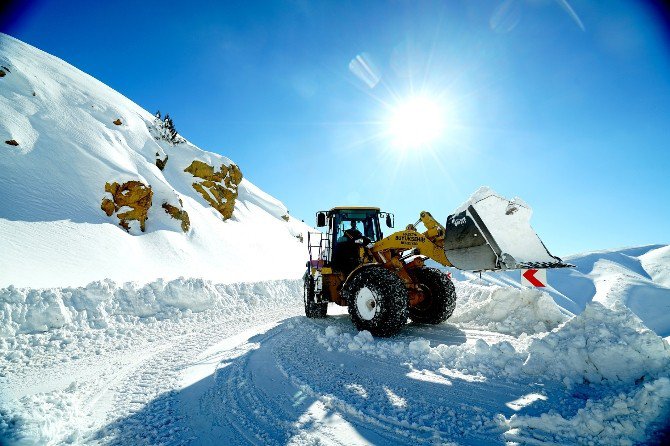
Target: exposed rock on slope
{"points": [[160, 163], [132, 194], [178, 214], [218, 188]]}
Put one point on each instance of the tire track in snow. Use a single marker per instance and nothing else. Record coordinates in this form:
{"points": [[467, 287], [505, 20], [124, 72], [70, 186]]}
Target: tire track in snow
{"points": [[283, 387], [146, 407]]}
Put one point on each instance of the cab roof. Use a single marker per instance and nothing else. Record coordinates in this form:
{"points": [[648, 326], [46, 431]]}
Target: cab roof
{"points": [[354, 208]]}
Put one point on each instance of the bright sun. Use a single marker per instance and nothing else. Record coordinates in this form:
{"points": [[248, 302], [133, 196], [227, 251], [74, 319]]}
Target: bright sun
{"points": [[416, 122]]}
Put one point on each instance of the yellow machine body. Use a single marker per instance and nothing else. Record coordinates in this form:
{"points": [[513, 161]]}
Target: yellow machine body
{"points": [[384, 281]]}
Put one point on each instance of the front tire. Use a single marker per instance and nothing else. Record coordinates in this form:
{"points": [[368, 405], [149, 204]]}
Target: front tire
{"points": [[439, 296], [377, 300], [313, 309]]}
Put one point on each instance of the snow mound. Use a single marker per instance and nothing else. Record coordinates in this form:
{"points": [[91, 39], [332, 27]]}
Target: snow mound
{"points": [[469, 359], [101, 304], [42, 417], [636, 277], [506, 310], [623, 419], [657, 264], [600, 344]]}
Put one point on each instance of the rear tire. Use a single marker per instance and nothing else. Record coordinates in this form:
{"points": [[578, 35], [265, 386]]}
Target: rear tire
{"points": [[377, 300], [313, 309], [439, 296]]}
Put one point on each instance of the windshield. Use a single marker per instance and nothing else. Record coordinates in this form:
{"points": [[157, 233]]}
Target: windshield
{"points": [[366, 222]]}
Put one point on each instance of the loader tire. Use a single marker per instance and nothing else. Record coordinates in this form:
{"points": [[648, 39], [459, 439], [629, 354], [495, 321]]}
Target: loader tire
{"points": [[439, 296], [313, 309], [377, 300]]}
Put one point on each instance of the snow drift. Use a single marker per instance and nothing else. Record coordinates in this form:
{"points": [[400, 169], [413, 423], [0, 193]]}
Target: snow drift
{"points": [[505, 309], [609, 365], [635, 277], [73, 135], [601, 345], [101, 304], [90, 330]]}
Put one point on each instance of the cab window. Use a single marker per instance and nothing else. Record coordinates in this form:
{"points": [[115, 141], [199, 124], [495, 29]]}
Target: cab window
{"points": [[367, 222]]}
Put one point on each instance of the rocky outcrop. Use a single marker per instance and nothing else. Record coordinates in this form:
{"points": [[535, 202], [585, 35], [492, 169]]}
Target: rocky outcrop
{"points": [[118, 122], [161, 163], [178, 214], [133, 194], [12, 142], [219, 189]]}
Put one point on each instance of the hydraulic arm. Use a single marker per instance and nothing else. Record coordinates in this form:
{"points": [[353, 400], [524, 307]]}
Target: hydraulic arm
{"points": [[429, 243]]}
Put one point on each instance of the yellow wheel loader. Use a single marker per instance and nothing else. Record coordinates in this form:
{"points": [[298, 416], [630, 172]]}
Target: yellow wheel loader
{"points": [[384, 281]]}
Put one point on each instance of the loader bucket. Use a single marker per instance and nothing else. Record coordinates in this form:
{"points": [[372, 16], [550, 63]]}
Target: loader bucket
{"points": [[493, 233]]}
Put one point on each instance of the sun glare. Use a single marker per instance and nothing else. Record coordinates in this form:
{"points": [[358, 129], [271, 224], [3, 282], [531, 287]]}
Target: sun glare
{"points": [[416, 122]]}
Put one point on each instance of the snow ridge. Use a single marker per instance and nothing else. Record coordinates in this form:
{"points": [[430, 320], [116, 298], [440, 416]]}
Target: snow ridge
{"points": [[102, 304]]}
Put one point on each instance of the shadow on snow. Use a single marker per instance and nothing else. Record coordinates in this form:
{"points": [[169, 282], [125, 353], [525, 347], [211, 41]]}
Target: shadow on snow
{"points": [[283, 385]]}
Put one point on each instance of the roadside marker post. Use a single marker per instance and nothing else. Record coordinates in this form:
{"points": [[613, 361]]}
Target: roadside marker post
{"points": [[534, 277]]}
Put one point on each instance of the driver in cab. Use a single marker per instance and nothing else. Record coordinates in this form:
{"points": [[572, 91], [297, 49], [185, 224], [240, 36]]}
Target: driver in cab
{"points": [[351, 234]]}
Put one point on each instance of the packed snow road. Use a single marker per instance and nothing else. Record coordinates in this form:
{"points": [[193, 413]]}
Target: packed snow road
{"points": [[287, 385], [262, 378], [119, 365], [274, 383]]}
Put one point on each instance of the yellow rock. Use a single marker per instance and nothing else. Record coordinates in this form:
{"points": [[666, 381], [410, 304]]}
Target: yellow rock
{"points": [[219, 189], [108, 206], [161, 163], [133, 194], [178, 214]]}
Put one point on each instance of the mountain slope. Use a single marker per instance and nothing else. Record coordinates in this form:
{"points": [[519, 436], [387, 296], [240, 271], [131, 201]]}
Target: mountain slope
{"points": [[68, 135]]}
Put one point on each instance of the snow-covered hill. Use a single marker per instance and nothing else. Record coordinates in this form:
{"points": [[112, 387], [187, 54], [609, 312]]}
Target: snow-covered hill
{"points": [[64, 136]]}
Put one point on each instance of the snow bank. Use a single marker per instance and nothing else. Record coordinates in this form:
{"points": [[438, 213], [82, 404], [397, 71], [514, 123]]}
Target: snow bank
{"points": [[43, 417], [469, 359], [620, 367], [637, 277], [622, 419], [506, 310], [600, 344], [99, 304]]}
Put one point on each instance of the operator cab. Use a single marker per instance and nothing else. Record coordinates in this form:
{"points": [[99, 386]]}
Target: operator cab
{"points": [[348, 229], [364, 220]]}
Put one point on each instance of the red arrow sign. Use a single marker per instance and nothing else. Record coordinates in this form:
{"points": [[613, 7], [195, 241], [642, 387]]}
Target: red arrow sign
{"points": [[529, 275]]}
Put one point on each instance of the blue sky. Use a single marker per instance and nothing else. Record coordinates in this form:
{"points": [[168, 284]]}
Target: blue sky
{"points": [[564, 104]]}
